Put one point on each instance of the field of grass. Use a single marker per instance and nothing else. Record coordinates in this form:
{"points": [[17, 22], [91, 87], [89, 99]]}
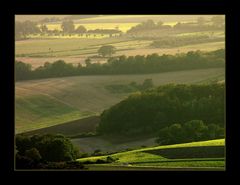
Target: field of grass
{"points": [[207, 33], [70, 129], [38, 111], [45, 47], [75, 51], [196, 154], [48, 102], [76, 47]]}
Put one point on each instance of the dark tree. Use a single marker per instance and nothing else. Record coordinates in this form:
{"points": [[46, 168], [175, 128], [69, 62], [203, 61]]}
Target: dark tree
{"points": [[147, 84], [68, 26], [33, 154], [107, 50], [22, 70], [44, 28], [81, 29]]}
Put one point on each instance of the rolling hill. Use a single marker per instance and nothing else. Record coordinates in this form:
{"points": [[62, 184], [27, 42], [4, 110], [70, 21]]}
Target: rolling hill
{"points": [[204, 155], [49, 102]]}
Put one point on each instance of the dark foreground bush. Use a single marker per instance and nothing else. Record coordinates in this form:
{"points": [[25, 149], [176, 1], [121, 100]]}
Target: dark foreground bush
{"points": [[194, 130], [39, 151]]}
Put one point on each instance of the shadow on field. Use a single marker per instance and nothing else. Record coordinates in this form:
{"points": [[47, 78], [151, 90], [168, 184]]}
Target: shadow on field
{"points": [[190, 152], [88, 124]]}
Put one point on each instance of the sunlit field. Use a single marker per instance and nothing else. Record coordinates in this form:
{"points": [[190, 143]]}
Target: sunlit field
{"points": [[47, 102], [164, 157]]}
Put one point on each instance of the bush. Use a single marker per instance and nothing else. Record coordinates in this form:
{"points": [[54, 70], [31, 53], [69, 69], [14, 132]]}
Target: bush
{"points": [[97, 152], [194, 130], [124, 65], [149, 111], [33, 154], [45, 148], [111, 159], [106, 50], [83, 155]]}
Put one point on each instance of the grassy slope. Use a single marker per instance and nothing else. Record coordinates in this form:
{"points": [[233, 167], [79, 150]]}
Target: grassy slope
{"points": [[47, 102], [38, 111], [144, 157], [72, 128]]}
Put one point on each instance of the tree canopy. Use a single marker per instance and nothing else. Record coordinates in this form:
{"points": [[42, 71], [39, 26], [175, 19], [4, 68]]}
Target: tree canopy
{"points": [[68, 26], [154, 109], [124, 65], [107, 50]]}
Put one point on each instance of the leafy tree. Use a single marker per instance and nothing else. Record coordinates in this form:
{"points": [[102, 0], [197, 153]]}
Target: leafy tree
{"points": [[148, 111], [149, 24], [68, 26], [52, 148], [81, 29], [125, 65], [22, 70], [107, 50], [88, 62], [194, 130], [22, 29], [148, 83], [23, 143], [33, 154], [160, 23], [44, 28]]}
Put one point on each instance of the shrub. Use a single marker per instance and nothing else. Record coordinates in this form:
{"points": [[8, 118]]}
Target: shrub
{"points": [[48, 148], [33, 154], [194, 130]]}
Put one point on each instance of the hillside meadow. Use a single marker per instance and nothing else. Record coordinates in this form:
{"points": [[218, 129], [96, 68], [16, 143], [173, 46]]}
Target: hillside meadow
{"points": [[48, 102], [196, 155]]}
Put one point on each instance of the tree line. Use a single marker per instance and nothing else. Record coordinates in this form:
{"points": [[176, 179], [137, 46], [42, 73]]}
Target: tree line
{"points": [[131, 87], [217, 22], [45, 151], [23, 29], [168, 42], [146, 113], [124, 65], [194, 130]]}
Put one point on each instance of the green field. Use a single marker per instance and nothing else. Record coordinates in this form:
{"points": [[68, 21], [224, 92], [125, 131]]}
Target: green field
{"points": [[70, 129], [203, 154], [40, 47], [73, 47], [75, 51], [48, 102], [77, 48], [38, 111]]}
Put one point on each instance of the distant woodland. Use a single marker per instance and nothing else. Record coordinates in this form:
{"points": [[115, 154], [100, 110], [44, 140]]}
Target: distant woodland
{"points": [[124, 65]]}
